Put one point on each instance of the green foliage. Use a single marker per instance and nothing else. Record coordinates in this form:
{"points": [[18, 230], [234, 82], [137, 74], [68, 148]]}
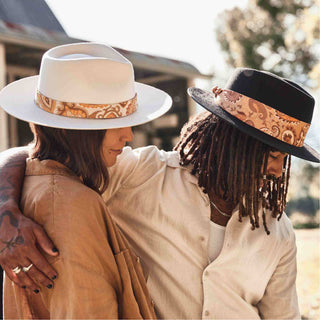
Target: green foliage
{"points": [[278, 36], [307, 205], [307, 225]]}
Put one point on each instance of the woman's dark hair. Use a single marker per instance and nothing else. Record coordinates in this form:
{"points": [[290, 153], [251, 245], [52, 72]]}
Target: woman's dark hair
{"points": [[79, 150], [231, 163]]}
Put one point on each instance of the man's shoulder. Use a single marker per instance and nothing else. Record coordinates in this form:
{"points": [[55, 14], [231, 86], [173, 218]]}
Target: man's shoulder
{"points": [[149, 155], [282, 229]]}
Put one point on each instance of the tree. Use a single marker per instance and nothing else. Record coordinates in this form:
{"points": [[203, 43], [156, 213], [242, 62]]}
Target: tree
{"points": [[280, 36]]}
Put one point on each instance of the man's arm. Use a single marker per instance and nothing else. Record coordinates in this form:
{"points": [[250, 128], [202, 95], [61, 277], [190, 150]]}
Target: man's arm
{"points": [[20, 237]]}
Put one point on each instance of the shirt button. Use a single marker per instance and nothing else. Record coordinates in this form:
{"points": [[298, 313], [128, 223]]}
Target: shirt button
{"points": [[206, 273], [207, 313], [152, 303], [138, 259]]}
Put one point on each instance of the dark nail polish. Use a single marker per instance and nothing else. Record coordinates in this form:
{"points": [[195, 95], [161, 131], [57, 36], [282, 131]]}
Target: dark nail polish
{"points": [[36, 291], [54, 277], [49, 286], [23, 287], [54, 249]]}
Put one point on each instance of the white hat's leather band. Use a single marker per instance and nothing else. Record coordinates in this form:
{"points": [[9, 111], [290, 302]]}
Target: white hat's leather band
{"points": [[84, 110], [262, 117]]}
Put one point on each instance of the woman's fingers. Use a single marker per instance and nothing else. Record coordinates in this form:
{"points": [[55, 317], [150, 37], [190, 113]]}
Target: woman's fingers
{"points": [[21, 278], [32, 272], [44, 242], [22, 248], [12, 276], [26, 275], [41, 268]]}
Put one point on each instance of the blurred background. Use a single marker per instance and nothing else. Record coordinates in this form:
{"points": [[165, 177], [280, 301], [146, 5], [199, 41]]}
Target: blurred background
{"points": [[177, 44]]}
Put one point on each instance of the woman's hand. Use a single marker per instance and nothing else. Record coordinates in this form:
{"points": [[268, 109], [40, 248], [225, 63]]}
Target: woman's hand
{"points": [[21, 240]]}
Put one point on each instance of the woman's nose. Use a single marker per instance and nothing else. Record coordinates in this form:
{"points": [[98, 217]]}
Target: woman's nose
{"points": [[126, 134]]}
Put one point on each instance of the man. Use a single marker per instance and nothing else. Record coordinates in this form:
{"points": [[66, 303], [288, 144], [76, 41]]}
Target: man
{"points": [[194, 215]]}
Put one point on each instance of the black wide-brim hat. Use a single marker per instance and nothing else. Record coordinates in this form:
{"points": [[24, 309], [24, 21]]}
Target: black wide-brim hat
{"points": [[265, 106]]}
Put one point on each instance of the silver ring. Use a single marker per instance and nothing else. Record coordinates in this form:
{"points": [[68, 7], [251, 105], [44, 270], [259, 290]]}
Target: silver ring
{"points": [[16, 270], [26, 269]]}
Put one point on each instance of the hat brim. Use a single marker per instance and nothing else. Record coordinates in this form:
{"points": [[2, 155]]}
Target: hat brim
{"points": [[206, 100], [17, 99]]}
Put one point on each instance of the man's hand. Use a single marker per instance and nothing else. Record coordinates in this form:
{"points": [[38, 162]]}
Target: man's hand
{"points": [[21, 238]]}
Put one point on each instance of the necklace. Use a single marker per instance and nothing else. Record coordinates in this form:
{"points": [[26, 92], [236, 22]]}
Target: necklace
{"points": [[228, 215]]}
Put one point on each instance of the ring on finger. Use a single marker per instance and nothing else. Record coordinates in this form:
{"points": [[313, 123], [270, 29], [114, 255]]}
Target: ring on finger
{"points": [[26, 269], [16, 270]]}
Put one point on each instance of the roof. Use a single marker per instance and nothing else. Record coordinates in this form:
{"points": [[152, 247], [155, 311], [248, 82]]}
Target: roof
{"points": [[34, 13], [31, 23], [162, 64]]}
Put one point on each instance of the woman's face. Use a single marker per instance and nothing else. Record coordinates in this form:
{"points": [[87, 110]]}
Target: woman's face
{"points": [[275, 163], [113, 143]]}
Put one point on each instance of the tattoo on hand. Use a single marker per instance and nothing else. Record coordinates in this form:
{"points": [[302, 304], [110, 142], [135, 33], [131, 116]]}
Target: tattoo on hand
{"points": [[16, 240], [12, 242]]}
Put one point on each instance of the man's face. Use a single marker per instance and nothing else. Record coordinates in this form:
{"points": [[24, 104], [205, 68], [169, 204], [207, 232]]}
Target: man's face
{"points": [[275, 163]]}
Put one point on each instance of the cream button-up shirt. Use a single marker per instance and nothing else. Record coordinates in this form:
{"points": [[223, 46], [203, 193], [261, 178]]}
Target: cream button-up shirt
{"points": [[165, 216]]}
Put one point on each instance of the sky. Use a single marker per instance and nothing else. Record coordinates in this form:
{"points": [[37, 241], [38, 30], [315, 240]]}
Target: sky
{"points": [[178, 29]]}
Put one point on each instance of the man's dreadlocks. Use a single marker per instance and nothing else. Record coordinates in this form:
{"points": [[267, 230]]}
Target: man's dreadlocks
{"points": [[232, 164]]}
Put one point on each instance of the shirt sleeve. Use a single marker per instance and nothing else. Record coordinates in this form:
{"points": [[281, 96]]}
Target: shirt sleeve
{"points": [[280, 298], [88, 282], [134, 167]]}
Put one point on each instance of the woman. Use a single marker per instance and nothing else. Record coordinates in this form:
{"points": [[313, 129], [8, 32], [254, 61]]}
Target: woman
{"points": [[99, 276]]}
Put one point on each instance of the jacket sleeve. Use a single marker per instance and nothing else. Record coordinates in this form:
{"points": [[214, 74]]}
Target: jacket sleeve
{"points": [[88, 282], [280, 298]]}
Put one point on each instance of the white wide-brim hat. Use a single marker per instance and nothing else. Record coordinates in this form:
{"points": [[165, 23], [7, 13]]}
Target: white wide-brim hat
{"points": [[84, 86]]}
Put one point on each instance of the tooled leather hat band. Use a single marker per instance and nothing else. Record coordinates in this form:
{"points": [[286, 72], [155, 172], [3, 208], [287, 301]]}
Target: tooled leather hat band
{"points": [[85, 110], [262, 117]]}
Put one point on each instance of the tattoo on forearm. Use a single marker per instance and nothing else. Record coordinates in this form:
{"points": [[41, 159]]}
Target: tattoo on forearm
{"points": [[13, 242], [11, 176], [9, 185], [3, 198], [15, 162], [13, 220]]}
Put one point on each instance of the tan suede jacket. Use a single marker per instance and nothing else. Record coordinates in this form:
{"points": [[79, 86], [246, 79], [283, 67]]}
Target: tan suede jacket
{"points": [[98, 274]]}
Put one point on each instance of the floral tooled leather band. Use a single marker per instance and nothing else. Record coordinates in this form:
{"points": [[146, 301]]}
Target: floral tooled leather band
{"points": [[84, 110], [262, 117]]}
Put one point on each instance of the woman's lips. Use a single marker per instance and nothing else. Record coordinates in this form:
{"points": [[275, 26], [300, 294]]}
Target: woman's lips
{"points": [[116, 151]]}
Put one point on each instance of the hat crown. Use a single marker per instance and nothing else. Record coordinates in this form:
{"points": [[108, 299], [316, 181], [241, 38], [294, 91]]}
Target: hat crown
{"points": [[276, 92], [91, 73]]}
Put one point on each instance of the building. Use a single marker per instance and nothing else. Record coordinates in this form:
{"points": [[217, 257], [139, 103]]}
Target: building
{"points": [[28, 28]]}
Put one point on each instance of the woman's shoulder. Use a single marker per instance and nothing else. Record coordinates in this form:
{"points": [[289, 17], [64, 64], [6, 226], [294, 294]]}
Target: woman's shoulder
{"points": [[72, 195], [55, 187]]}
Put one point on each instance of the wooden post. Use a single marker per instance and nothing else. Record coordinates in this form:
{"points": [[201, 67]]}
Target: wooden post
{"points": [[192, 106], [4, 138]]}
